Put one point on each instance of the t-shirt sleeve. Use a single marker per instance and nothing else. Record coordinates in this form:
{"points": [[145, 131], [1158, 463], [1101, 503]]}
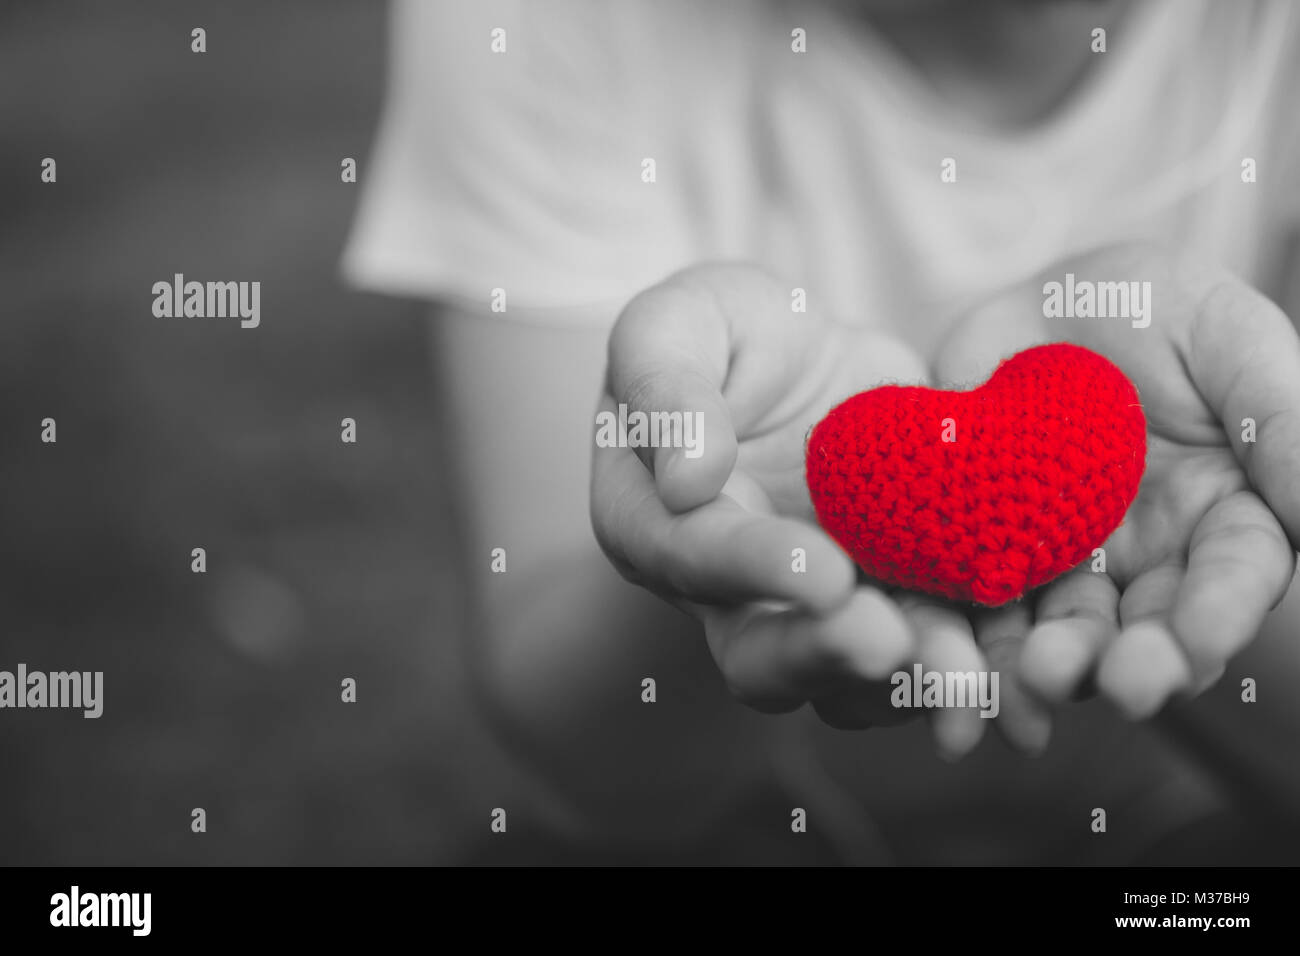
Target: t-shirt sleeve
{"points": [[519, 167]]}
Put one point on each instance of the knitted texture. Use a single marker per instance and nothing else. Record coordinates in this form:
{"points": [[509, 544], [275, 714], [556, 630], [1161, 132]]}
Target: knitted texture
{"points": [[1044, 461]]}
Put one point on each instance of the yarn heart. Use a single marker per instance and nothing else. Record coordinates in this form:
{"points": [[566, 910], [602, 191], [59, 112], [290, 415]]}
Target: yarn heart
{"points": [[982, 495]]}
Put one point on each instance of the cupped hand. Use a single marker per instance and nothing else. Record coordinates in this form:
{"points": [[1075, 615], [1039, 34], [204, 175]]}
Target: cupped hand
{"points": [[1208, 546], [725, 529]]}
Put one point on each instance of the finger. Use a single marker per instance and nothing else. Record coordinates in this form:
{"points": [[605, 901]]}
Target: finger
{"points": [[718, 553], [946, 646], [1076, 617], [779, 659], [669, 355], [1150, 594], [1244, 356], [1239, 566], [1144, 665], [1023, 719], [1008, 322]]}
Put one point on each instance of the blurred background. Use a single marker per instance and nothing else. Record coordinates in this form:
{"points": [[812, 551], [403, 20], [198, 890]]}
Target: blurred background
{"points": [[325, 560]]}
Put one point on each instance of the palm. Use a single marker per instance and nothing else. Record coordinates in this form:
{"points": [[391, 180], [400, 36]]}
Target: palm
{"points": [[1202, 553], [805, 376], [720, 340], [1181, 484]]}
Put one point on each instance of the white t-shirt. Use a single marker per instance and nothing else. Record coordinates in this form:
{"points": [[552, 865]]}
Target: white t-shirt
{"points": [[523, 170]]}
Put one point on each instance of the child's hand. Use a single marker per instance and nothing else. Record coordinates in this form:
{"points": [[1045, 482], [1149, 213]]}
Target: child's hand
{"points": [[726, 535], [1204, 552]]}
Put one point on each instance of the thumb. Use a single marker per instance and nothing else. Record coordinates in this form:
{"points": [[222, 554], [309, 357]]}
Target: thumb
{"points": [[1244, 357], [1007, 323], [668, 357]]}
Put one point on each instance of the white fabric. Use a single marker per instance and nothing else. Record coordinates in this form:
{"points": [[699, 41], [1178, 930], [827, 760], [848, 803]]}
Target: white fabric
{"points": [[522, 170]]}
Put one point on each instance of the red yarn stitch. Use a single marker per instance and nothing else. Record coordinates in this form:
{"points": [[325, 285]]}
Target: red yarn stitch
{"points": [[1048, 456]]}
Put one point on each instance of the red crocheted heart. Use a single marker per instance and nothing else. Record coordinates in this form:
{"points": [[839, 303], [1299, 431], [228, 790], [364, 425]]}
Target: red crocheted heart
{"points": [[1044, 459]]}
